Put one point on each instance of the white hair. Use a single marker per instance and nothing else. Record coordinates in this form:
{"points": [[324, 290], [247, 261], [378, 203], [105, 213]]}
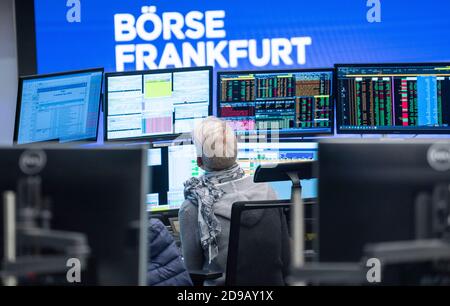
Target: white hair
{"points": [[216, 143]]}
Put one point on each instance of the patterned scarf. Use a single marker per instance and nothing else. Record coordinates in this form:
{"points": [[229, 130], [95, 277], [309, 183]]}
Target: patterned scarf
{"points": [[203, 193]]}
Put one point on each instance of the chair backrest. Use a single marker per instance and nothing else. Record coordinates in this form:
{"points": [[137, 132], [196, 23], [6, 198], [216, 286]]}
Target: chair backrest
{"points": [[265, 245]]}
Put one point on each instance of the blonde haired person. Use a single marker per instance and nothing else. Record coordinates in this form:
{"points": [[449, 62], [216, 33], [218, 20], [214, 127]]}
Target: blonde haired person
{"points": [[205, 214]]}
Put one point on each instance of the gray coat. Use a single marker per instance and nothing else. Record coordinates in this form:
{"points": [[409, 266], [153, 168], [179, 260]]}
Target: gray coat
{"points": [[243, 189]]}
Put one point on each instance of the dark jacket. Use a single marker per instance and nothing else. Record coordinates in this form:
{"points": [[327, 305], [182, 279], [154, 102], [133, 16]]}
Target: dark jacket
{"points": [[166, 266]]}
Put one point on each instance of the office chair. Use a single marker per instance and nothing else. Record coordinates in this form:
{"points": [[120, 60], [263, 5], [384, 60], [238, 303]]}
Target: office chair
{"points": [[248, 270], [199, 276]]}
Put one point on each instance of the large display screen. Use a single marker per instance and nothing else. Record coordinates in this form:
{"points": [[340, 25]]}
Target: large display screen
{"points": [[173, 165], [236, 34]]}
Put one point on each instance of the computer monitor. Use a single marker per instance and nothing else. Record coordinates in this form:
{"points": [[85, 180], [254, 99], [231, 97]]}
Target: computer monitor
{"points": [[251, 155], [284, 104], [60, 107], [96, 192], [156, 104], [393, 98], [368, 191], [174, 164]]}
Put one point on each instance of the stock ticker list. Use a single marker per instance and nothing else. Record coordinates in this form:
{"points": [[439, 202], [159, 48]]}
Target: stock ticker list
{"points": [[285, 101]]}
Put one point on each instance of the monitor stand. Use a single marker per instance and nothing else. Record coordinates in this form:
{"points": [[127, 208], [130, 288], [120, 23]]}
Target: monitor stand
{"points": [[431, 244], [294, 172], [27, 225]]}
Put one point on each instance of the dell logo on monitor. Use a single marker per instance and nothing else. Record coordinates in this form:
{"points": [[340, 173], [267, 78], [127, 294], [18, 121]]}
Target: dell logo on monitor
{"points": [[439, 156], [32, 162]]}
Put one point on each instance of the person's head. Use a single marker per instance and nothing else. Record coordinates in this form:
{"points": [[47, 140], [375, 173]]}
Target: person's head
{"points": [[216, 144]]}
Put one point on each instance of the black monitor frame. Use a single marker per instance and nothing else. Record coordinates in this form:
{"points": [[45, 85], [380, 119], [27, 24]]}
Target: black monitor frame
{"points": [[42, 76], [79, 172], [283, 137], [372, 191], [384, 131], [26, 37], [156, 71]]}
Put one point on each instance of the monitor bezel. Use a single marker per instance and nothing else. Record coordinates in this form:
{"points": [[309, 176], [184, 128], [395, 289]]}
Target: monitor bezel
{"points": [[283, 137], [50, 75], [162, 137], [338, 103]]}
